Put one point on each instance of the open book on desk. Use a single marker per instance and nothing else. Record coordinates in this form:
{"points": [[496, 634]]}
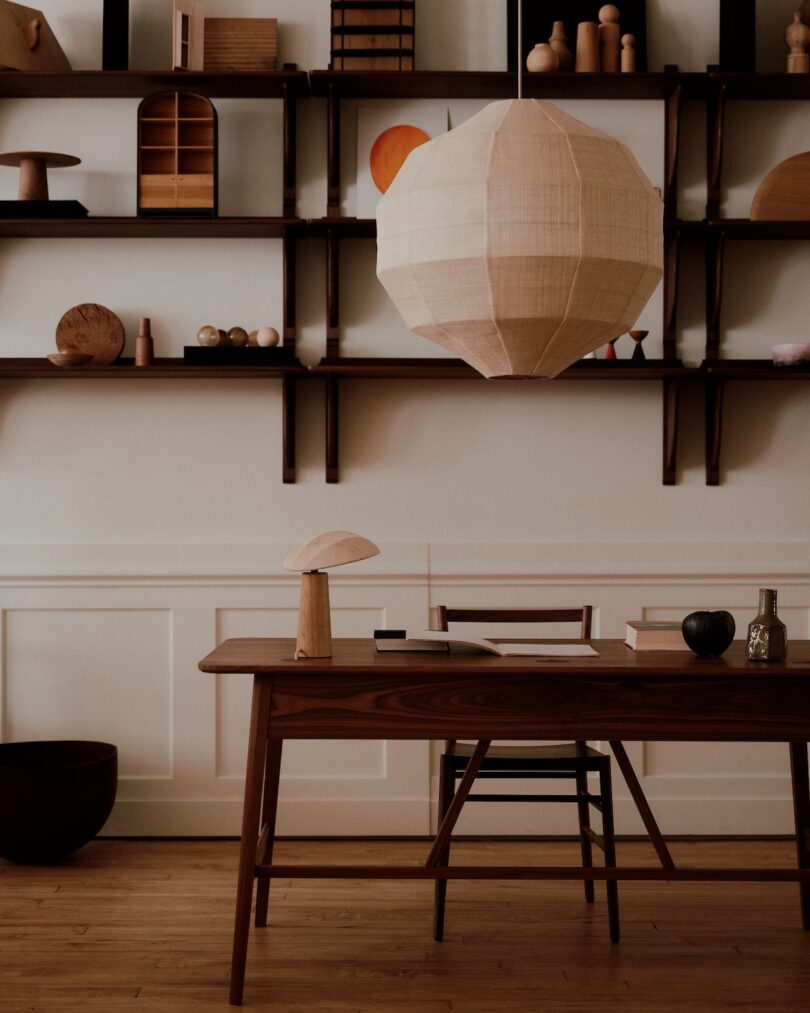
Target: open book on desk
{"points": [[570, 649]]}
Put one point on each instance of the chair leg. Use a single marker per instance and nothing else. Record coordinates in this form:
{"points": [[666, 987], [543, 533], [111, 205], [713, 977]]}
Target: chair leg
{"points": [[608, 837], [583, 808], [446, 792]]}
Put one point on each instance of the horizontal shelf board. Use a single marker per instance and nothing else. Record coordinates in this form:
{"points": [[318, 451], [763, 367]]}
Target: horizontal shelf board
{"points": [[456, 369], [157, 227], [366, 228], [138, 84], [754, 369], [42, 369], [762, 86], [500, 84], [744, 228]]}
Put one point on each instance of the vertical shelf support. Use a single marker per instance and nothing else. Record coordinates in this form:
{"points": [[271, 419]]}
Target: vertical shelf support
{"points": [[672, 252], [715, 389], [715, 122], [672, 387], [332, 153], [288, 430], [715, 255], [332, 428], [290, 135], [671, 151]]}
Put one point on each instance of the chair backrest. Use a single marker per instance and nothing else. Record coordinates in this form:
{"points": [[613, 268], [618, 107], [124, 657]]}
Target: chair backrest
{"points": [[443, 615]]}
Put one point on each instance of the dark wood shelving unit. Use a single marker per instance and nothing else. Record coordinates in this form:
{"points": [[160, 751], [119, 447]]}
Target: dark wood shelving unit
{"points": [[288, 86], [721, 89], [125, 227], [671, 87]]}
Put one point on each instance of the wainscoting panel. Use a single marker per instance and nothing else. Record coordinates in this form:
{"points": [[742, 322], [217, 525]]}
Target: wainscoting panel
{"points": [[104, 641]]}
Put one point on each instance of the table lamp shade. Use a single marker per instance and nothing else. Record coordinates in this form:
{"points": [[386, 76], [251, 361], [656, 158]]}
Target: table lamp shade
{"points": [[333, 548], [521, 240]]}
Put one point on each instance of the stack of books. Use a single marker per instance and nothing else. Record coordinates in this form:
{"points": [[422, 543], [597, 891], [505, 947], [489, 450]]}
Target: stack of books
{"points": [[654, 635]]}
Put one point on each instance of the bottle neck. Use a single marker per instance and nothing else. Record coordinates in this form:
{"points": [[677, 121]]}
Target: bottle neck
{"points": [[767, 601]]}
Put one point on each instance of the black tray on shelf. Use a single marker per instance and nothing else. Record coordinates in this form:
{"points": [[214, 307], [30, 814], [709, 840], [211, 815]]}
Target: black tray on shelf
{"points": [[42, 209], [251, 355]]}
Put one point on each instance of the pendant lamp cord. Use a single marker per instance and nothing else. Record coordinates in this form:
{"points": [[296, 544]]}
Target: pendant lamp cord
{"points": [[520, 49]]}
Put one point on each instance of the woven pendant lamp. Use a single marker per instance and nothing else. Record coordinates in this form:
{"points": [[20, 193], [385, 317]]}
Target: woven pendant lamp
{"points": [[521, 240]]}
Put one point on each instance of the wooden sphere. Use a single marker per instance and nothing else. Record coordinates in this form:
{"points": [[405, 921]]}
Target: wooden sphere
{"points": [[609, 14], [267, 337], [208, 336], [238, 337], [542, 59], [628, 40], [252, 338]]}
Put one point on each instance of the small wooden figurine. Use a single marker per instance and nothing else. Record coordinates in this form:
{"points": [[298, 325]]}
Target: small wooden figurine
{"points": [[628, 54], [559, 43], [587, 61], [797, 38], [144, 346], [610, 351], [609, 33], [542, 59], [638, 351]]}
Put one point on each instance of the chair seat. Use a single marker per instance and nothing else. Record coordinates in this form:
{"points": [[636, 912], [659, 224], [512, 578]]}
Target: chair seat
{"points": [[563, 754]]}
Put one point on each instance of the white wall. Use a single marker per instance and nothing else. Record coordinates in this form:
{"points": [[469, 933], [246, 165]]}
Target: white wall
{"points": [[124, 468]]}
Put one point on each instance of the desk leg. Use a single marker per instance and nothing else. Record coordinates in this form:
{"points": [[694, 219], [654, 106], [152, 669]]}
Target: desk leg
{"points": [[801, 812], [272, 770], [254, 777]]}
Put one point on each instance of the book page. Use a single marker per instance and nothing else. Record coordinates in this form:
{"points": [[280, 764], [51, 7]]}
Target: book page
{"points": [[547, 650]]}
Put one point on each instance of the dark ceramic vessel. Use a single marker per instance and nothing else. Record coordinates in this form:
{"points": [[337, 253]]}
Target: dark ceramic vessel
{"points": [[54, 797], [708, 633]]}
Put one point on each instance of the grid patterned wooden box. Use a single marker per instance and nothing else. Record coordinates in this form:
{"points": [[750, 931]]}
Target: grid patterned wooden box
{"points": [[373, 36]]}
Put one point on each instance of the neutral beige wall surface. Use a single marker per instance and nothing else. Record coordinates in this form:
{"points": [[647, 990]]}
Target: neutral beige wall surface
{"points": [[87, 462]]}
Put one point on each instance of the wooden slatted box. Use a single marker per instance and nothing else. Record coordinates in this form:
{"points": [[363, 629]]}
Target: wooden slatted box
{"points": [[373, 35]]}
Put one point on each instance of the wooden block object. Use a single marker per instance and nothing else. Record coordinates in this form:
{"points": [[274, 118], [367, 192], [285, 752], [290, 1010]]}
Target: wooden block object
{"points": [[784, 194], [249, 44], [27, 42], [373, 37]]}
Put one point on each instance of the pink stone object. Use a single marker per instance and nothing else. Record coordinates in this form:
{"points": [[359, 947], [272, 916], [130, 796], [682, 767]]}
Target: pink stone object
{"points": [[791, 355]]}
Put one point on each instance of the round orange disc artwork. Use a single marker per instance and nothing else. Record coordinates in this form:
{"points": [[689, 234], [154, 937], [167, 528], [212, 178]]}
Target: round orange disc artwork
{"points": [[390, 150]]}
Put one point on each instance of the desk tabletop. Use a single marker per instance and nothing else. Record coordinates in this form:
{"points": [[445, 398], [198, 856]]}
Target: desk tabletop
{"points": [[275, 656]]}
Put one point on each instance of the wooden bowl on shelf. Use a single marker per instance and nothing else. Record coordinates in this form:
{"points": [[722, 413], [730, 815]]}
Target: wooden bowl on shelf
{"points": [[70, 360]]}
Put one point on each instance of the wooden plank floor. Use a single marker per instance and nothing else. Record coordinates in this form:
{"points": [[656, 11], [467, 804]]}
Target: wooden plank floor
{"points": [[146, 925]]}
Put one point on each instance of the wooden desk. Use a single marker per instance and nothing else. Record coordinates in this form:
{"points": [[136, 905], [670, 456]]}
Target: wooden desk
{"points": [[619, 695]]}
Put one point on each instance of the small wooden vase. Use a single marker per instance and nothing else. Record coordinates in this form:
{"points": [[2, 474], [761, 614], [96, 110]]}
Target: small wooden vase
{"points": [[314, 638], [559, 43], [144, 346], [767, 634], [542, 59]]}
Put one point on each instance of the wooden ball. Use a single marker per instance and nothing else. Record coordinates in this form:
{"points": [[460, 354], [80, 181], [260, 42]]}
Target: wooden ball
{"points": [[252, 338], [208, 336], [223, 338], [267, 337], [609, 14], [238, 337]]}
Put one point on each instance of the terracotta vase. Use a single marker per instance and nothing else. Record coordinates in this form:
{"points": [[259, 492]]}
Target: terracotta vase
{"points": [[542, 59]]}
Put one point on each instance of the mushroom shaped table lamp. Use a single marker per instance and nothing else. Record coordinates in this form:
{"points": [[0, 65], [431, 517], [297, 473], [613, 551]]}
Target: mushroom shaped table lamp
{"points": [[334, 548]]}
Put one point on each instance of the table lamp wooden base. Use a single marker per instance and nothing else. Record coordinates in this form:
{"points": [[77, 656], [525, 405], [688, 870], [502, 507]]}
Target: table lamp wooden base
{"points": [[314, 638]]}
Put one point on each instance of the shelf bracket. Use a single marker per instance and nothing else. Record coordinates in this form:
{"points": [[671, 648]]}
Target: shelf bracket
{"points": [[332, 428], [333, 153], [288, 390], [671, 149], [715, 121], [289, 187], [672, 386], [715, 389], [715, 254]]}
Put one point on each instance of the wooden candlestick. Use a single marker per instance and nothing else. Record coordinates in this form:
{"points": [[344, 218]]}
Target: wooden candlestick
{"points": [[144, 346], [314, 638], [610, 351]]}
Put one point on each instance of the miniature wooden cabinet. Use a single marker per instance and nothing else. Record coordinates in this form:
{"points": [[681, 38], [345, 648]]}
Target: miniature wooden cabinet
{"points": [[177, 155]]}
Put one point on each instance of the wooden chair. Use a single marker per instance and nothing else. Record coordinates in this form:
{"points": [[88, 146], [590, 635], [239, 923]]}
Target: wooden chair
{"points": [[570, 761]]}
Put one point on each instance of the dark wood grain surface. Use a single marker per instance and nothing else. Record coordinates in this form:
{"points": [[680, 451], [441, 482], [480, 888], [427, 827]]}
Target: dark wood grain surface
{"points": [[621, 694]]}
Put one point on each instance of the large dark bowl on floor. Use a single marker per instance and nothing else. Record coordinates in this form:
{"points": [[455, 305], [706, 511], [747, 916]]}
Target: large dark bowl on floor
{"points": [[54, 797]]}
